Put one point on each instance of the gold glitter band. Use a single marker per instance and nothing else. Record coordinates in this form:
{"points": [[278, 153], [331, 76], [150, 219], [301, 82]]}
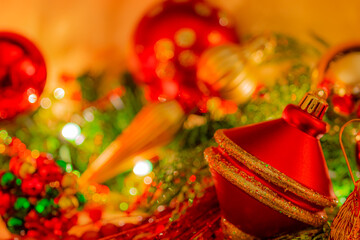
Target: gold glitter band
{"points": [[260, 192], [271, 174], [232, 232]]}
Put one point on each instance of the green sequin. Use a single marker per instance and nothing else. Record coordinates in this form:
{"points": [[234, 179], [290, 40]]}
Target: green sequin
{"points": [[22, 204], [7, 178], [14, 222]]}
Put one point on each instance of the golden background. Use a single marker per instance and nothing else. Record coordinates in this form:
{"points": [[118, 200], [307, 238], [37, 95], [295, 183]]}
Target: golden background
{"points": [[77, 35]]}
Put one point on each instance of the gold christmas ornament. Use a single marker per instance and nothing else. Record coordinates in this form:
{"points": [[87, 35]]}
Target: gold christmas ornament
{"points": [[235, 72], [224, 69]]}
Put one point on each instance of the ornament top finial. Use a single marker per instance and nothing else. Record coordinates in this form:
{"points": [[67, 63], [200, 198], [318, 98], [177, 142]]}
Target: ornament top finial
{"points": [[314, 103]]}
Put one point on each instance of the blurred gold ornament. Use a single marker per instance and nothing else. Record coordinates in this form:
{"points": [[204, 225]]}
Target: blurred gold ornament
{"points": [[234, 71], [153, 126], [224, 69], [26, 169], [68, 202], [69, 181]]}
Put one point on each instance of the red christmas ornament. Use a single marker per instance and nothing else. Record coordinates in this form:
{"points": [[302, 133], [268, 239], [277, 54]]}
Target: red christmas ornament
{"points": [[50, 172], [14, 165], [71, 237], [5, 202], [108, 229], [33, 234], [95, 214], [51, 237], [343, 105], [32, 216], [43, 160], [168, 42], [90, 235], [275, 170], [22, 74], [32, 186]]}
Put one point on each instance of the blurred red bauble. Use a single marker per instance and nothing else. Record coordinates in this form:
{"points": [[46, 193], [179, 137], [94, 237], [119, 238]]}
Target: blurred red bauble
{"points": [[344, 105], [50, 172], [168, 42], [95, 214], [5, 202], [90, 235], [33, 234], [108, 229], [32, 186], [71, 237], [22, 75]]}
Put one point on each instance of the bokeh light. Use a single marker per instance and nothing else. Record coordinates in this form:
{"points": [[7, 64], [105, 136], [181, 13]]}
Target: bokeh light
{"points": [[123, 206], [59, 93], [45, 103], [147, 180], [142, 168], [133, 191], [71, 131], [32, 98]]}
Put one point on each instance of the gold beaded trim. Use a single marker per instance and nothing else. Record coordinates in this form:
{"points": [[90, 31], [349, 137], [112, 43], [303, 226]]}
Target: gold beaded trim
{"points": [[271, 174], [260, 192], [232, 232]]}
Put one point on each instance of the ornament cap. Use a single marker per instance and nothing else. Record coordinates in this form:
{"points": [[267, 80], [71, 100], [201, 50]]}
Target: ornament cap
{"points": [[314, 103]]}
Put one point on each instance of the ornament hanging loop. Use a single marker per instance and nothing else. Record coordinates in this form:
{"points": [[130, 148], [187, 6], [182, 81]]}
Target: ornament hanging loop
{"points": [[343, 149]]}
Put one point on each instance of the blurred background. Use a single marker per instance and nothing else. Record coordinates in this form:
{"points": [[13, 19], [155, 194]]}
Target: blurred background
{"points": [[90, 34]]}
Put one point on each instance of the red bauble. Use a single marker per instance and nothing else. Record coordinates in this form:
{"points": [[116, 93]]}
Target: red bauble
{"points": [[22, 74], [43, 160], [51, 237], [14, 165], [50, 172], [95, 214], [5, 203], [33, 234], [32, 216], [71, 237], [32, 186], [343, 105], [90, 235], [108, 229], [168, 42]]}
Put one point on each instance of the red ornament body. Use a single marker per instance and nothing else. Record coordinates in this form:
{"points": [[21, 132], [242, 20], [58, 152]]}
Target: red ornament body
{"points": [[32, 186], [22, 74], [108, 229], [50, 172], [5, 202], [168, 42], [275, 170]]}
